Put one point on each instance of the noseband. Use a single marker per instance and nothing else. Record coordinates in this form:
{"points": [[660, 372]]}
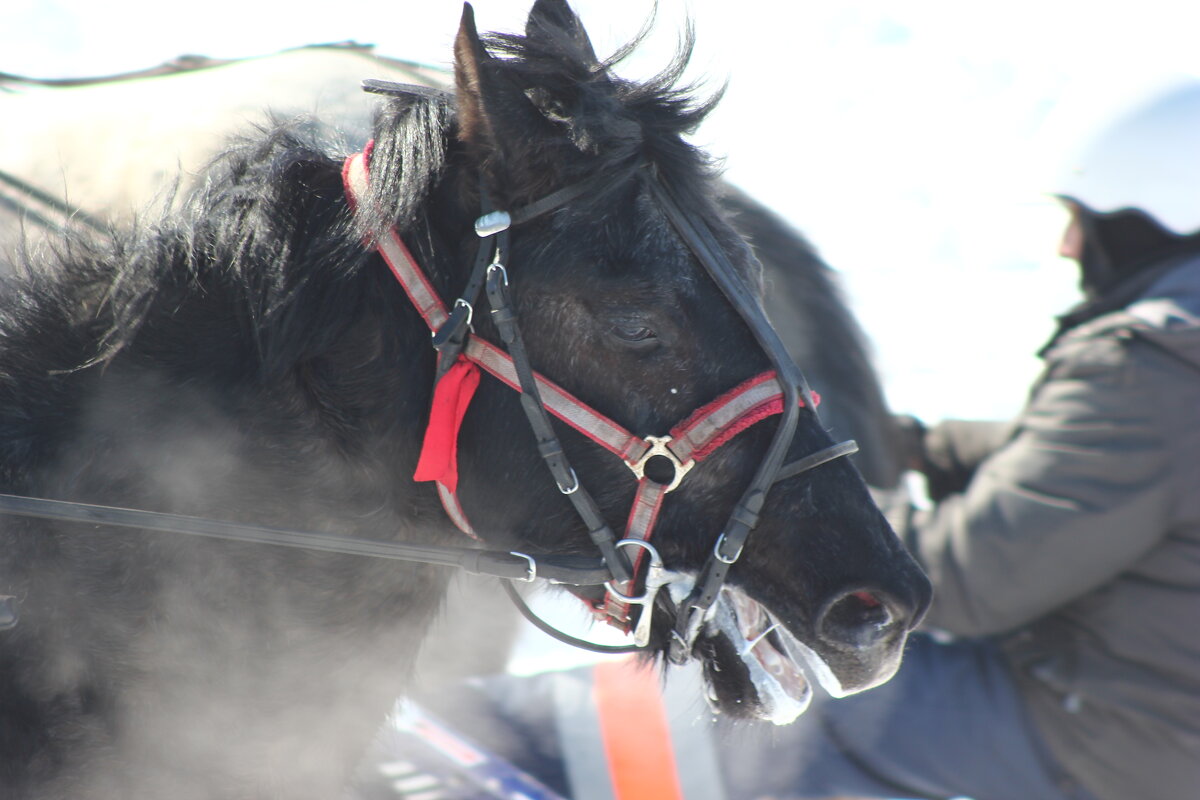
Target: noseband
{"points": [[461, 354]]}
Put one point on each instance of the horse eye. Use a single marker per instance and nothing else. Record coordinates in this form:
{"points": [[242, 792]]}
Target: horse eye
{"points": [[632, 333]]}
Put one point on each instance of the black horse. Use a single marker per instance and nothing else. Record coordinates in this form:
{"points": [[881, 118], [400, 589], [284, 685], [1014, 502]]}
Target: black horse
{"points": [[247, 358]]}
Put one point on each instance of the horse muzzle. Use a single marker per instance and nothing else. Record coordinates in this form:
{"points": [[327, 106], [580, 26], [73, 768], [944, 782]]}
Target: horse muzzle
{"points": [[756, 667]]}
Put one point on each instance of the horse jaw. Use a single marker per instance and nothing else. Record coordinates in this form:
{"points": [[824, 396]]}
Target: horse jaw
{"points": [[753, 666]]}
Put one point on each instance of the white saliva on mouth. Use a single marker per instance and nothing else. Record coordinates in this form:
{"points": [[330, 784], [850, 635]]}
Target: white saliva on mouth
{"points": [[821, 671], [784, 692]]}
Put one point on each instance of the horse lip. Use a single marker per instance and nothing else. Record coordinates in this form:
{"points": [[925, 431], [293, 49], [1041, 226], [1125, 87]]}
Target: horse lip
{"points": [[838, 673], [781, 688]]}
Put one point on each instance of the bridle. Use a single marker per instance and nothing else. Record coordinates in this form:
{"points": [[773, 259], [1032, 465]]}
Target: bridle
{"points": [[780, 391]]}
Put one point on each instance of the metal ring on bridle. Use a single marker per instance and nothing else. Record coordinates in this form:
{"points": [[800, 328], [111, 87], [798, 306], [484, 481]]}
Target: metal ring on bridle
{"points": [[658, 447], [655, 562], [470, 309], [496, 265]]}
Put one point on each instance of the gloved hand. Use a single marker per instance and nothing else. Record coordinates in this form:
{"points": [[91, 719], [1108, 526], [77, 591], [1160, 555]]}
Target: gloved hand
{"points": [[948, 453], [910, 441]]}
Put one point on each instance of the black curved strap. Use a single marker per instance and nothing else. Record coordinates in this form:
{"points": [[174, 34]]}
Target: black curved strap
{"points": [[565, 638], [400, 89], [708, 252], [559, 198], [831, 453], [745, 515], [450, 339]]}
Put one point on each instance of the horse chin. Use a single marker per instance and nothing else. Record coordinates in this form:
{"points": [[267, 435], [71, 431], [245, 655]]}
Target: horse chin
{"points": [[753, 666]]}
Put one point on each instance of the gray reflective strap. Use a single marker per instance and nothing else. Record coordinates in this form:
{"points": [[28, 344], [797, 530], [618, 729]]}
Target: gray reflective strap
{"points": [[692, 734], [578, 725]]}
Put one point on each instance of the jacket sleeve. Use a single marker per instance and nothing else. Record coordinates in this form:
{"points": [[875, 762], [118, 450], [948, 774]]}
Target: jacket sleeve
{"points": [[1077, 494]]}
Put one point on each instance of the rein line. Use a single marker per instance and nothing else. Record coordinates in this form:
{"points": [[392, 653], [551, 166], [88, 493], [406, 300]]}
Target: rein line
{"points": [[43, 208], [564, 569]]}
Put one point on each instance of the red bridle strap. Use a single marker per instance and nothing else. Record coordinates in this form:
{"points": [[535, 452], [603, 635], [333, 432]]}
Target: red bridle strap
{"points": [[687, 444], [690, 442]]}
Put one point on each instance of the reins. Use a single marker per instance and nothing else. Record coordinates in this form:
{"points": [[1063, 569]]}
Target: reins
{"points": [[571, 570], [42, 208]]}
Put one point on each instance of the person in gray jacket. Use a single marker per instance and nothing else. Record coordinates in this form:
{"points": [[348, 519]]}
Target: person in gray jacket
{"points": [[1063, 658]]}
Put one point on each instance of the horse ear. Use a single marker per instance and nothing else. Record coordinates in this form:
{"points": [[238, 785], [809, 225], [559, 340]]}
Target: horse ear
{"points": [[521, 127], [589, 118], [495, 115], [470, 56], [499, 119], [548, 16]]}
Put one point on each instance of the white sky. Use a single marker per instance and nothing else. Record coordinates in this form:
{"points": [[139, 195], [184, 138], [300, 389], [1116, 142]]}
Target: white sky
{"points": [[900, 135]]}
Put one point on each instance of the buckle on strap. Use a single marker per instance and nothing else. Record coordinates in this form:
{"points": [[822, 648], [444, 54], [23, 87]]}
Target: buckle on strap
{"points": [[719, 551], [658, 447]]}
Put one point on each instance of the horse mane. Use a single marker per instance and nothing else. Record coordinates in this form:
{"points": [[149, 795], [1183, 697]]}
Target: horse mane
{"points": [[244, 284], [228, 260]]}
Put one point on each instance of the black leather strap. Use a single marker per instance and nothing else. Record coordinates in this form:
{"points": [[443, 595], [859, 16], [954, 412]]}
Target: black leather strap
{"points": [[539, 420], [450, 339]]}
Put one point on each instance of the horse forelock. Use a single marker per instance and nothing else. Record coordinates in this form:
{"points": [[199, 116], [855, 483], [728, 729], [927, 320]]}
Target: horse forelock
{"points": [[612, 120], [579, 120]]}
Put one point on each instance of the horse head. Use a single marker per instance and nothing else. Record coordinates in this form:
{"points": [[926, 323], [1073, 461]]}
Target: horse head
{"points": [[609, 272]]}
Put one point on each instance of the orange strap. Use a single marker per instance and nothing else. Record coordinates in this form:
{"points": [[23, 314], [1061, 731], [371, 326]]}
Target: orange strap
{"points": [[635, 732]]}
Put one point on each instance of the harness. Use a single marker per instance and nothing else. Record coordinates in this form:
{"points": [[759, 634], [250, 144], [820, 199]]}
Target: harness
{"points": [[462, 355], [625, 562]]}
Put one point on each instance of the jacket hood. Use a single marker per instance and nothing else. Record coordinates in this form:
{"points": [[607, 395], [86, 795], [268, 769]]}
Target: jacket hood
{"points": [[1165, 295], [1168, 313]]}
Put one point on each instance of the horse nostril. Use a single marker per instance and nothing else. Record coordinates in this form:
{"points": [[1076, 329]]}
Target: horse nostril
{"points": [[866, 598], [858, 619]]}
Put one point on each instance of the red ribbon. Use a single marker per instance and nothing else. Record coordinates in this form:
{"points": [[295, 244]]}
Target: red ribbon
{"points": [[451, 397]]}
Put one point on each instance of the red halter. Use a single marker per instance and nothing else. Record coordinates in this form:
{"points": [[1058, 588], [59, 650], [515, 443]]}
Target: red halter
{"points": [[688, 443]]}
